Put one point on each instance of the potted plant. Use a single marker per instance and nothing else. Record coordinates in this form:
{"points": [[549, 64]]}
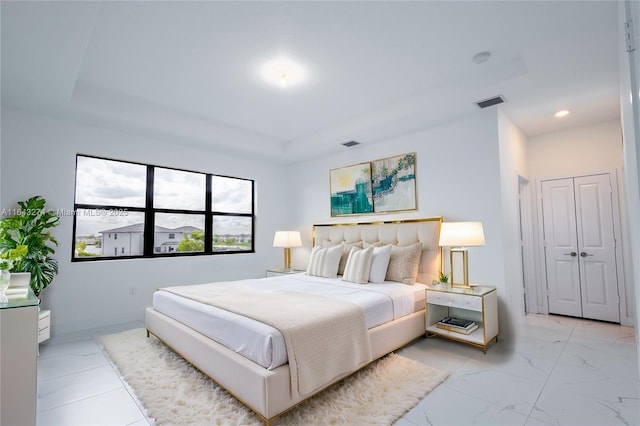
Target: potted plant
{"points": [[443, 278], [5, 268], [8, 262], [25, 238]]}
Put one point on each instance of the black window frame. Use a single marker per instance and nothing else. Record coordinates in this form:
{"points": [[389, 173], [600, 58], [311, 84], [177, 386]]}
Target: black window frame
{"points": [[150, 212]]}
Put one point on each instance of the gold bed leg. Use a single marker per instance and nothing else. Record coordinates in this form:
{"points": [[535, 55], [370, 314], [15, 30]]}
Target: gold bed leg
{"points": [[148, 333]]}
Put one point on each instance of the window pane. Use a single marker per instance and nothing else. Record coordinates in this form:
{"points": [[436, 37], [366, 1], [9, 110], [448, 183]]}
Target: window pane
{"points": [[175, 189], [111, 183], [178, 233], [230, 195], [232, 233], [109, 233]]}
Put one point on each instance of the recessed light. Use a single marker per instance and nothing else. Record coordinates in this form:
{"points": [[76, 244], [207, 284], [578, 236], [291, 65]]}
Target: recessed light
{"points": [[562, 113], [282, 72]]}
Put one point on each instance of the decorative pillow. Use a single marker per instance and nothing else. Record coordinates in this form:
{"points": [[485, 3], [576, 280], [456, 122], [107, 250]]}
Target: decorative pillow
{"points": [[346, 249], [380, 263], [358, 265], [323, 262], [404, 263]]}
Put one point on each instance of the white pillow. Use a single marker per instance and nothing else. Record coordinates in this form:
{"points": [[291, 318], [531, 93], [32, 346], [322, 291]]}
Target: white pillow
{"points": [[358, 265], [380, 263], [324, 262], [346, 249]]}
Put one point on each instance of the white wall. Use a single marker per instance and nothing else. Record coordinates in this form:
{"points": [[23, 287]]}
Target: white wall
{"points": [[458, 176], [581, 151], [88, 295], [630, 112], [513, 163]]}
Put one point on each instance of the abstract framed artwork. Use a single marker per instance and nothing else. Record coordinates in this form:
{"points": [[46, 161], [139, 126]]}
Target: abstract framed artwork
{"points": [[393, 182], [350, 189]]}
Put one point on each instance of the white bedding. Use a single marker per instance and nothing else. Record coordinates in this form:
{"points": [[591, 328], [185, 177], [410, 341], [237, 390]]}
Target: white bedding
{"points": [[264, 344]]}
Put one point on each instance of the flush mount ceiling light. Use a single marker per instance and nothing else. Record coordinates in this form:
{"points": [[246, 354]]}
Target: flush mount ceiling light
{"points": [[282, 72], [562, 113]]}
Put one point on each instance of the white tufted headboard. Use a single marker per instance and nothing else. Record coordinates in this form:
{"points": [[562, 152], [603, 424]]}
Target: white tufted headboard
{"points": [[400, 232]]}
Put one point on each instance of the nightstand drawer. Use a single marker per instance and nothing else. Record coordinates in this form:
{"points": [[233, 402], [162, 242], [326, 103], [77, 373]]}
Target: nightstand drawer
{"points": [[471, 303], [44, 325], [44, 319], [44, 334]]}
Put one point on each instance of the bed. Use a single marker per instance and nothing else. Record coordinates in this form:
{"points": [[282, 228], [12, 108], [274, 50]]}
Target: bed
{"points": [[256, 362]]}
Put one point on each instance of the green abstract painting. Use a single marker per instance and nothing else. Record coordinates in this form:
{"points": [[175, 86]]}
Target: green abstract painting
{"points": [[350, 189]]}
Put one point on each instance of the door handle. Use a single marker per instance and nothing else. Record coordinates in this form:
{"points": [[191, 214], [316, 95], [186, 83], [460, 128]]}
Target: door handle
{"points": [[583, 254], [572, 254]]}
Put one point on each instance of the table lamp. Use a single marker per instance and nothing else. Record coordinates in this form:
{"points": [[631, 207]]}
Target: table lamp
{"points": [[286, 240], [458, 236]]}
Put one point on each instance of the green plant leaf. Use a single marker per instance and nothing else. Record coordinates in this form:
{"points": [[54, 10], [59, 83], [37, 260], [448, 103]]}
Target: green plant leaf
{"points": [[26, 238]]}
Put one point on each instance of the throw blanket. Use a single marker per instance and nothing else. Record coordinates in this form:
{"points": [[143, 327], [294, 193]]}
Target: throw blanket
{"points": [[325, 337]]}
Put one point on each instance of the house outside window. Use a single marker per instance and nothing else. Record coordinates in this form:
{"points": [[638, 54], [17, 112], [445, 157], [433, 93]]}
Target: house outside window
{"points": [[157, 211]]}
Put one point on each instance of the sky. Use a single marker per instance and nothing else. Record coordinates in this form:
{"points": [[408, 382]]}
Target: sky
{"points": [[115, 183]]}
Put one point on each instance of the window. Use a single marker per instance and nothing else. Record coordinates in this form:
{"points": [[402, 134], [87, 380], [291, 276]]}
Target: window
{"points": [[233, 200], [157, 211]]}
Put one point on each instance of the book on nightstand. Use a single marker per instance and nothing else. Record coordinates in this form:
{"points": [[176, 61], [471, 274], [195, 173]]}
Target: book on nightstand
{"points": [[458, 325]]}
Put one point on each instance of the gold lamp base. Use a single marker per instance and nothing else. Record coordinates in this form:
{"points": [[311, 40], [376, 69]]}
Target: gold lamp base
{"points": [[459, 267], [287, 259]]}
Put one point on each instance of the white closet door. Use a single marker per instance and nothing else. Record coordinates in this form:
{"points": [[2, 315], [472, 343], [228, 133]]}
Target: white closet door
{"points": [[580, 255], [596, 244], [561, 252]]}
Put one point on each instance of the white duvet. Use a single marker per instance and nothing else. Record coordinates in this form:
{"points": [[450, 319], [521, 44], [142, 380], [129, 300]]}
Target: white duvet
{"points": [[264, 344]]}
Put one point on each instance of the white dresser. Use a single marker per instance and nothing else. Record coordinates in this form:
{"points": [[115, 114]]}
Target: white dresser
{"points": [[18, 357]]}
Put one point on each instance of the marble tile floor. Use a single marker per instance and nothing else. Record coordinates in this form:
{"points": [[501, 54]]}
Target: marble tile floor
{"points": [[558, 371]]}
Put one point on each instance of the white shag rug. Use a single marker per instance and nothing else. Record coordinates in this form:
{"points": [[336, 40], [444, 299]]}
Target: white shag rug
{"points": [[172, 392]]}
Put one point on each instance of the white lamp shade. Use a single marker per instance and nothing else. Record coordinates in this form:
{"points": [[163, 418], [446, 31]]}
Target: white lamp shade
{"points": [[461, 234], [287, 239]]}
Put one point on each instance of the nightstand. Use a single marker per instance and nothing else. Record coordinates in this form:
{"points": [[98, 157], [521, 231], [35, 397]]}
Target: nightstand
{"points": [[44, 325], [478, 304], [281, 271]]}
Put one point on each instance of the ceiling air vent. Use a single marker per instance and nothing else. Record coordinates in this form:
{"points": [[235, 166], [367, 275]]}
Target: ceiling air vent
{"points": [[490, 102], [350, 144]]}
